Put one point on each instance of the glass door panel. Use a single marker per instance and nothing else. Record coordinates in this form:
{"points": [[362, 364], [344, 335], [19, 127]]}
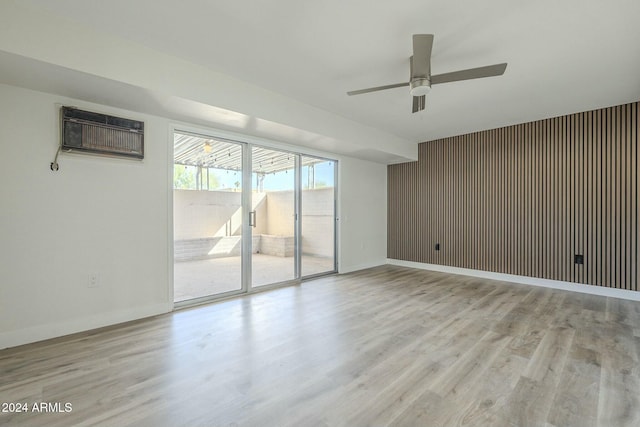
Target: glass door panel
{"points": [[272, 216], [207, 217], [288, 199], [318, 216]]}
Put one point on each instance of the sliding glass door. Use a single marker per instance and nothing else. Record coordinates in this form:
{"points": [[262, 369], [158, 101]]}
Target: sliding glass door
{"points": [[318, 216], [273, 216], [247, 217], [207, 216]]}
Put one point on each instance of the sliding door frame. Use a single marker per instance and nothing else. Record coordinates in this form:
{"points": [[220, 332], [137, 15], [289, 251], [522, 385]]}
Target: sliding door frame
{"points": [[296, 221], [297, 200], [247, 143], [247, 238], [335, 217], [245, 264]]}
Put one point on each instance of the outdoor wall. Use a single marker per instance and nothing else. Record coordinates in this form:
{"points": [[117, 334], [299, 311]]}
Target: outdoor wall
{"points": [[279, 214], [111, 217], [318, 222], [317, 219], [259, 205], [198, 214]]}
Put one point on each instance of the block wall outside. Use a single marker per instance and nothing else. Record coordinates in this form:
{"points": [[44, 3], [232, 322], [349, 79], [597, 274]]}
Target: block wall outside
{"points": [[205, 223]]}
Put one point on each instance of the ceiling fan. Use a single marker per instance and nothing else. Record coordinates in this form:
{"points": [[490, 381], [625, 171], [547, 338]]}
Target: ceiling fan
{"points": [[420, 73]]}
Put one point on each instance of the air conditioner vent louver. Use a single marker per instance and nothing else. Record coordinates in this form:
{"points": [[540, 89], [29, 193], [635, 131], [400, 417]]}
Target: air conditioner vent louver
{"points": [[90, 132]]}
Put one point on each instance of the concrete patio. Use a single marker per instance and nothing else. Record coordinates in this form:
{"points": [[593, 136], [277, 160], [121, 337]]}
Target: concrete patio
{"points": [[198, 278]]}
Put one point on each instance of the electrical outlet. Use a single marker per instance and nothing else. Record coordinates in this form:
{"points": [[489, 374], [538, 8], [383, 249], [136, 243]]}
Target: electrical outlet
{"points": [[578, 259], [437, 246], [93, 281]]}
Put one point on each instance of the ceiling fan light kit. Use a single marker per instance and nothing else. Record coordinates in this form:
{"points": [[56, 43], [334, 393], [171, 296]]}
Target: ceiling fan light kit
{"points": [[420, 87], [420, 78]]}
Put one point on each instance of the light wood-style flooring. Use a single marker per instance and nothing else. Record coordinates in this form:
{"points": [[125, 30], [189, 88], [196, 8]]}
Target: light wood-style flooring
{"points": [[384, 346]]}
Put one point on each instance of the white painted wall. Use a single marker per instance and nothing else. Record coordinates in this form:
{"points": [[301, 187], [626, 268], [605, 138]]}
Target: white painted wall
{"points": [[362, 204], [111, 217], [174, 86], [96, 215]]}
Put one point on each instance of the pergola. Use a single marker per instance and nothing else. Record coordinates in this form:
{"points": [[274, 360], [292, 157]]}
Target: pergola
{"points": [[217, 153]]}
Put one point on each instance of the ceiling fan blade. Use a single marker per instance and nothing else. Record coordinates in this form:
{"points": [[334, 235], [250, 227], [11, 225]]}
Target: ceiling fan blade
{"points": [[375, 89], [422, 44], [471, 73], [418, 103]]}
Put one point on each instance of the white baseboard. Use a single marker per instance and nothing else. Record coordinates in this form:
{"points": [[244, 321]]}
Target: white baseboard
{"points": [[54, 330], [525, 280]]}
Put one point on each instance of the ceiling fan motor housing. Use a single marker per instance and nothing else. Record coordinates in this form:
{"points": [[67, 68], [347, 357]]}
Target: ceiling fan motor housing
{"points": [[420, 77], [420, 86]]}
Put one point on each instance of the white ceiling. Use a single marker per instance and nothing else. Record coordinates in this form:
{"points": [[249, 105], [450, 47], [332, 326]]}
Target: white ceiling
{"points": [[564, 56]]}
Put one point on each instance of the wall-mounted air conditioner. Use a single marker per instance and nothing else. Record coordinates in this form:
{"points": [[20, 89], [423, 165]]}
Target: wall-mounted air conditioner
{"points": [[89, 132]]}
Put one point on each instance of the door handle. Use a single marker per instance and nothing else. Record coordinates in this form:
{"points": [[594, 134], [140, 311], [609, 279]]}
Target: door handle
{"points": [[252, 219]]}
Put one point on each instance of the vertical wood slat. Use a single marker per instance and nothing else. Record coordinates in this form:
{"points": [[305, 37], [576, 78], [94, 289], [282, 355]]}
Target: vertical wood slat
{"points": [[626, 158], [635, 159], [600, 198], [608, 201], [593, 197], [525, 199], [578, 176], [635, 140]]}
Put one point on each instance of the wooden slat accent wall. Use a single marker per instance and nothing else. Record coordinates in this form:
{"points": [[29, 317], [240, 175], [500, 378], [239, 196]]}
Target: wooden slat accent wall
{"points": [[525, 199]]}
